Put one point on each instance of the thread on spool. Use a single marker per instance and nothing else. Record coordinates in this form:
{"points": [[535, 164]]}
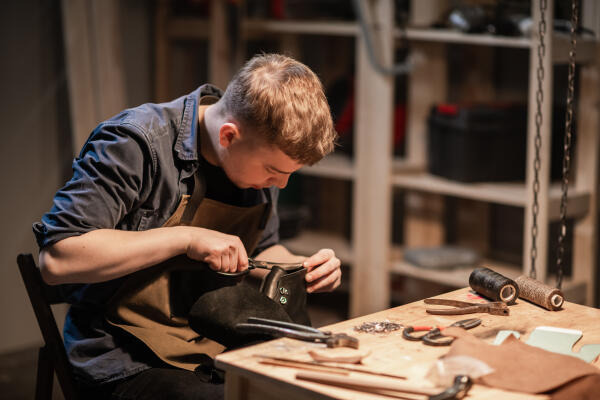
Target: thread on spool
{"points": [[493, 285], [539, 293]]}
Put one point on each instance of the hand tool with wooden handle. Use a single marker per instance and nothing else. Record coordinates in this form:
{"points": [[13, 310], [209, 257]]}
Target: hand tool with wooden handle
{"points": [[292, 363]]}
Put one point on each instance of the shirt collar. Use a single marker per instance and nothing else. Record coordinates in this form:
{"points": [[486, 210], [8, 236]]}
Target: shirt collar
{"points": [[186, 146]]}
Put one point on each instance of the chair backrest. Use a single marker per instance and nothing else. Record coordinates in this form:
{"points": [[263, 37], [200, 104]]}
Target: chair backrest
{"points": [[42, 296]]}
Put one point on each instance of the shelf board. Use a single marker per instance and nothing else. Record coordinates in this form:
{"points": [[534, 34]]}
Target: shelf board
{"points": [[507, 193], [333, 166], [351, 28], [459, 277], [332, 28], [404, 165], [452, 36], [502, 193], [341, 166], [309, 242], [455, 277], [586, 46], [199, 28]]}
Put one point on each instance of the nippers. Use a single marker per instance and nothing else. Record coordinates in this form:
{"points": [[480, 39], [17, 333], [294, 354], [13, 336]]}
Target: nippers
{"points": [[296, 331], [463, 307], [252, 264]]}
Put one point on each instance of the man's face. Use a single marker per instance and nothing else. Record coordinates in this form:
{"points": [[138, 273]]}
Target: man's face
{"points": [[252, 163]]}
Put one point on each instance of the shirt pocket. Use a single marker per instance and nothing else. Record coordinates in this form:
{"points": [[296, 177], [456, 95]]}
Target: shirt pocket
{"points": [[147, 220]]}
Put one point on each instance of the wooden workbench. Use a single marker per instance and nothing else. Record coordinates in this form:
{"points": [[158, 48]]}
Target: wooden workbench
{"points": [[246, 378]]}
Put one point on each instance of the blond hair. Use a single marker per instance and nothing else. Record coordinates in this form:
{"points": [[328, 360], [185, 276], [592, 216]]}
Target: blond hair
{"points": [[283, 100]]}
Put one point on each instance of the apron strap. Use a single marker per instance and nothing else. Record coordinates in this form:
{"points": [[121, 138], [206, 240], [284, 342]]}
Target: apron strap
{"points": [[267, 212], [195, 200]]}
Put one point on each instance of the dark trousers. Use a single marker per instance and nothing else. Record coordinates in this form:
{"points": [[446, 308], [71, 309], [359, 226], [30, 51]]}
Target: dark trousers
{"points": [[158, 383]]}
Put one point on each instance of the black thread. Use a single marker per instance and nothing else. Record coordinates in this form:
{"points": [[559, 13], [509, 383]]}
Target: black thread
{"points": [[493, 285]]}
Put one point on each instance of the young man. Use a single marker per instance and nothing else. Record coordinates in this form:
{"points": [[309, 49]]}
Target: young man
{"points": [[197, 177]]}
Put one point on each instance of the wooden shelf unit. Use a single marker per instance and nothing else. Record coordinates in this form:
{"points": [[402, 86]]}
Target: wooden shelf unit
{"points": [[373, 169], [427, 86], [309, 242]]}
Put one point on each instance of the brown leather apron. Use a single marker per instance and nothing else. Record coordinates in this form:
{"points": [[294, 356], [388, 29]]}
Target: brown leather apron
{"points": [[149, 305]]}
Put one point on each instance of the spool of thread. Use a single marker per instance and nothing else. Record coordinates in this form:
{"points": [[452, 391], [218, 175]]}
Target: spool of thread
{"points": [[493, 285], [539, 293]]}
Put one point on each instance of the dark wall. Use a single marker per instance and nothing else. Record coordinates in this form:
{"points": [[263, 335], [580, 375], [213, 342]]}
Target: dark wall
{"points": [[35, 144]]}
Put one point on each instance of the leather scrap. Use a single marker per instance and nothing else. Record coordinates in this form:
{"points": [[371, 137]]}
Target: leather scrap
{"points": [[520, 367], [584, 388]]}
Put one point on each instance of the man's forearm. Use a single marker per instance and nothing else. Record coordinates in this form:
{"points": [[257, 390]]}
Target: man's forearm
{"points": [[105, 254]]}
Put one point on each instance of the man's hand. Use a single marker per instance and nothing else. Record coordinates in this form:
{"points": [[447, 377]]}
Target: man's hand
{"points": [[324, 273], [222, 252]]}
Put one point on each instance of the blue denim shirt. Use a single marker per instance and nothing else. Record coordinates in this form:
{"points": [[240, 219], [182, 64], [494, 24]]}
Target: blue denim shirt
{"points": [[130, 175]]}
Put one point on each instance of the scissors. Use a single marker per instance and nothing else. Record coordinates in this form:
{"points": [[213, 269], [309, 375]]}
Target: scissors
{"points": [[433, 334], [252, 264]]}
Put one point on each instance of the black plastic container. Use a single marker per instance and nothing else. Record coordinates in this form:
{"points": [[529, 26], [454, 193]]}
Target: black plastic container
{"points": [[477, 143]]}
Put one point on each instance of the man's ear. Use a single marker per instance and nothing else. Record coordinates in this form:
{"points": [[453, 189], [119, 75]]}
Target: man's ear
{"points": [[228, 134]]}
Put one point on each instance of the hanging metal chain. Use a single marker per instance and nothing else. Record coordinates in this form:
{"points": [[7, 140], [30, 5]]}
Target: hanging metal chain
{"points": [[539, 97], [566, 164], [402, 39]]}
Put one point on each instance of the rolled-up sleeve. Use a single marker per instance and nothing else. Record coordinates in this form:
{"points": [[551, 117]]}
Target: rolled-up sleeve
{"points": [[109, 177]]}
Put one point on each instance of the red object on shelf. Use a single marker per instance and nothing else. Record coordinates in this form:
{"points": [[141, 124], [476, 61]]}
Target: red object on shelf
{"points": [[447, 109], [399, 124], [343, 125], [345, 122], [277, 9]]}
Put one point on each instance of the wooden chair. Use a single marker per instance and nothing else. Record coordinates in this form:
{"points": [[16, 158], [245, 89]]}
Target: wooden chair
{"points": [[52, 356]]}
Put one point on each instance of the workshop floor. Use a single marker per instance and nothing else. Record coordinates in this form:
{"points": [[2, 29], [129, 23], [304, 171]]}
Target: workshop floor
{"points": [[18, 369], [17, 376]]}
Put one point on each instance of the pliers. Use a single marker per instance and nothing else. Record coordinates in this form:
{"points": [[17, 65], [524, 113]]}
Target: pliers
{"points": [[296, 331], [463, 307], [252, 264]]}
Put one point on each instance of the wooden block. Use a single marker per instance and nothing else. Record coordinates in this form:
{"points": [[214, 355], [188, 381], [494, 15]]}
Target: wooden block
{"points": [[473, 81], [473, 225], [424, 220], [424, 13], [334, 206]]}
